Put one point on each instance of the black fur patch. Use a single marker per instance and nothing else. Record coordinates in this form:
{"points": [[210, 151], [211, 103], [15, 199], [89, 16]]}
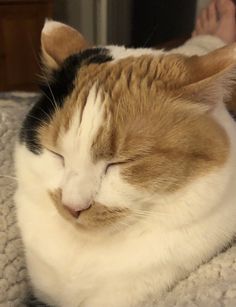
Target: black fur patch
{"points": [[54, 92], [233, 114]]}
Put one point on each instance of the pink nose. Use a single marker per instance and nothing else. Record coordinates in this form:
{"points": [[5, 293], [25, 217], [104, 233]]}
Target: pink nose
{"points": [[75, 212]]}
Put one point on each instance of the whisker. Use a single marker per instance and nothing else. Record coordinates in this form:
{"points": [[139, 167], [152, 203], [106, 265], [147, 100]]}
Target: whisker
{"points": [[29, 130], [52, 101], [152, 32], [9, 177], [38, 119], [48, 116], [117, 226], [43, 74], [153, 214], [48, 97], [53, 97]]}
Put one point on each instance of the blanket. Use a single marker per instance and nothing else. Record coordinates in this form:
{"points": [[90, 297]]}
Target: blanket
{"points": [[14, 285], [212, 285]]}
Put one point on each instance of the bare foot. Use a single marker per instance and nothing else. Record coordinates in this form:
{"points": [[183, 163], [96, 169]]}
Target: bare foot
{"points": [[217, 19]]}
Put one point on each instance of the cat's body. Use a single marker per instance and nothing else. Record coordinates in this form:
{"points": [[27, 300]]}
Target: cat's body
{"points": [[150, 233]]}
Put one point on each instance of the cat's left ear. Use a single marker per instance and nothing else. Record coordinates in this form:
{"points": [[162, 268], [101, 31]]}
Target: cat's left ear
{"points": [[59, 41], [214, 76]]}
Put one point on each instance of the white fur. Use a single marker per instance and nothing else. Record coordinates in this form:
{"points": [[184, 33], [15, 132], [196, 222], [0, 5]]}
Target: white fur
{"points": [[200, 45], [82, 176], [121, 52], [69, 268]]}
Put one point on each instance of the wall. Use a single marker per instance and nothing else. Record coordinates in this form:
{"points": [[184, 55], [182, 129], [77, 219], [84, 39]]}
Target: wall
{"points": [[78, 14], [90, 18]]}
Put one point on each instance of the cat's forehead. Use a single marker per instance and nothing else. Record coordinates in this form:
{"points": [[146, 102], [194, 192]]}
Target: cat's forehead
{"points": [[104, 75], [132, 86], [127, 77]]}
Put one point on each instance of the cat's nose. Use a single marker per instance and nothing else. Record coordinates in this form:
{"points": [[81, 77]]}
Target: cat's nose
{"points": [[73, 212], [76, 210]]}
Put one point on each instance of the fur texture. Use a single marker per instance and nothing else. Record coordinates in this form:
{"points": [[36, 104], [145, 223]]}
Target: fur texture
{"points": [[131, 185]]}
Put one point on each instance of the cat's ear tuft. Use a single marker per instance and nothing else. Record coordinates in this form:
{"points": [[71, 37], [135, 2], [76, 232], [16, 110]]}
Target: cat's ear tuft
{"points": [[209, 92], [214, 77], [59, 41]]}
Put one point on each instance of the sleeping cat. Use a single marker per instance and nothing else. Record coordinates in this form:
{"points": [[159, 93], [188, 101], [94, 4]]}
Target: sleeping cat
{"points": [[126, 170]]}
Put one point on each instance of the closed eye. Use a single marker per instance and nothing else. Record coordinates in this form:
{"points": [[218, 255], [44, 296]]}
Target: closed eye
{"points": [[109, 165], [57, 155]]}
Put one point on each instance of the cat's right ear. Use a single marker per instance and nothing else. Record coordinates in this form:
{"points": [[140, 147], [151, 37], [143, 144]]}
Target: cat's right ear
{"points": [[59, 41], [212, 78]]}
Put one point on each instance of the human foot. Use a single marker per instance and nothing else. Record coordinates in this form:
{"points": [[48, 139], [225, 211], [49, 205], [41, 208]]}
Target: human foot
{"points": [[217, 19]]}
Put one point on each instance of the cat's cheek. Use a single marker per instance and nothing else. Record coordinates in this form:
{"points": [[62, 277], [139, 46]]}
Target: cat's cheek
{"points": [[56, 178], [43, 170], [115, 191]]}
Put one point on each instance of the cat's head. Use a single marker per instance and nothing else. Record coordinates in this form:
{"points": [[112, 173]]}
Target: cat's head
{"points": [[118, 130]]}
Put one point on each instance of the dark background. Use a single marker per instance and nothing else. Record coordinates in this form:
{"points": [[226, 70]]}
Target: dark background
{"points": [[136, 23], [156, 22]]}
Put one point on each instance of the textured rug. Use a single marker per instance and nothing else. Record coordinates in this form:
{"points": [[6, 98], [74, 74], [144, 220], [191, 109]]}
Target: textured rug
{"points": [[14, 287], [212, 285]]}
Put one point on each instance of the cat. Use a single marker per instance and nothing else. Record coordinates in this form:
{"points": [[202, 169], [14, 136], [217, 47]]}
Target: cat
{"points": [[126, 168]]}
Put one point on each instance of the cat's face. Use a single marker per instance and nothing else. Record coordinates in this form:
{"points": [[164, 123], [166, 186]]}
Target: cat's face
{"points": [[119, 134]]}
